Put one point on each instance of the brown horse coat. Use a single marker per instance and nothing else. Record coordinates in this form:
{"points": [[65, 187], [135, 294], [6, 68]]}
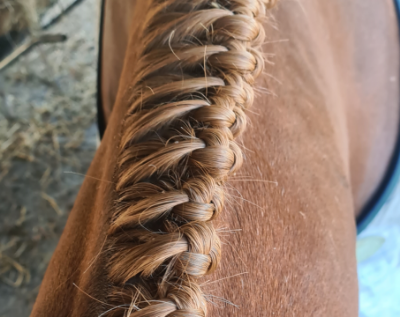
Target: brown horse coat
{"points": [[322, 130]]}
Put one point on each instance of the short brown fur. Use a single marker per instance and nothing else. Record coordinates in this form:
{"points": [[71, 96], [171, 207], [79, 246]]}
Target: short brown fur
{"points": [[288, 227]]}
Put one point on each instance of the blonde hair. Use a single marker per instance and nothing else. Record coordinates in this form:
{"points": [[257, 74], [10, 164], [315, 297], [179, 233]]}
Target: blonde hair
{"points": [[194, 82]]}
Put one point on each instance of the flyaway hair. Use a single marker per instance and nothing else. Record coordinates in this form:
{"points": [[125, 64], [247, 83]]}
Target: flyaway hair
{"points": [[193, 83]]}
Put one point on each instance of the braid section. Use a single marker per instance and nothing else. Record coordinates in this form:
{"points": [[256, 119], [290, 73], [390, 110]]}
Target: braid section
{"points": [[192, 87]]}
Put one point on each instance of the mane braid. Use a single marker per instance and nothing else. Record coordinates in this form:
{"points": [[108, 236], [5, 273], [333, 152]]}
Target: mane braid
{"points": [[193, 83]]}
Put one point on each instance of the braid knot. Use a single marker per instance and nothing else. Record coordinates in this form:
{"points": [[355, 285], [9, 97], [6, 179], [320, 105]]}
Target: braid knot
{"points": [[193, 84]]}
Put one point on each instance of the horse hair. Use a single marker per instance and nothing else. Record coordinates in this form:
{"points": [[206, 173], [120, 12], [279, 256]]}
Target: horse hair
{"points": [[194, 81]]}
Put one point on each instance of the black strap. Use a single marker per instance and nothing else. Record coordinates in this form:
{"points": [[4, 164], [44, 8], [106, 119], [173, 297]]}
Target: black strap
{"points": [[101, 122]]}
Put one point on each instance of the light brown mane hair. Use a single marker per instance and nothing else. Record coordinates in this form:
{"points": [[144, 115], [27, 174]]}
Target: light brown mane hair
{"points": [[193, 83]]}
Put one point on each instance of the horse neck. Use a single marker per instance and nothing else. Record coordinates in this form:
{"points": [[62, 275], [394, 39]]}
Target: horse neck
{"points": [[290, 216]]}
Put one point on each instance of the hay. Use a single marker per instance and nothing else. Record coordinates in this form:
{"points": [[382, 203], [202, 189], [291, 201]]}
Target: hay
{"points": [[17, 15], [47, 129]]}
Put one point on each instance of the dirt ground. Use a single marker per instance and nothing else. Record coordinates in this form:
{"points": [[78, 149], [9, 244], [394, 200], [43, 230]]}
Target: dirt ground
{"points": [[48, 137]]}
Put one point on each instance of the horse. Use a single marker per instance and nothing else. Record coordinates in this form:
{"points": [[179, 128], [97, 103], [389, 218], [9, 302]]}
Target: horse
{"points": [[304, 93]]}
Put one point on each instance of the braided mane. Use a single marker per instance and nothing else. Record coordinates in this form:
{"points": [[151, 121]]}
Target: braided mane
{"points": [[194, 82]]}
